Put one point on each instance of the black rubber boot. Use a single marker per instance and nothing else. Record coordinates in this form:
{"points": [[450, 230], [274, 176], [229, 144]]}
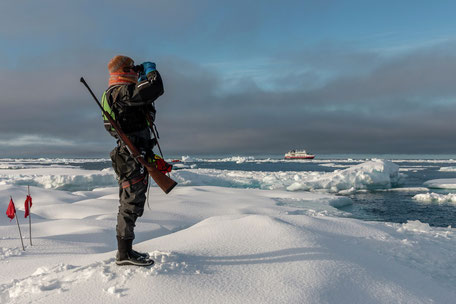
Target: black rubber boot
{"points": [[143, 254], [127, 256], [123, 247]]}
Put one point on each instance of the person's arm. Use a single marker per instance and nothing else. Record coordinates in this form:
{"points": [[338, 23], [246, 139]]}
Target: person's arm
{"points": [[147, 90]]}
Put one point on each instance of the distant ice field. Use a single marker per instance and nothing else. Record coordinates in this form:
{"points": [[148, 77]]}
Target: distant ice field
{"points": [[373, 188]]}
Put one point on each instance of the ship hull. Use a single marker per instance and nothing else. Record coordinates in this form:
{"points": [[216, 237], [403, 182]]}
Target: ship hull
{"points": [[300, 157]]}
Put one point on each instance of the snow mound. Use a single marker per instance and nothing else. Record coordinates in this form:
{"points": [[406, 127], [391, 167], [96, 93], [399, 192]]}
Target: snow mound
{"points": [[436, 198]]}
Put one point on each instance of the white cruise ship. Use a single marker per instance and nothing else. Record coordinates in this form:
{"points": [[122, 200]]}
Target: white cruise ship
{"points": [[298, 154]]}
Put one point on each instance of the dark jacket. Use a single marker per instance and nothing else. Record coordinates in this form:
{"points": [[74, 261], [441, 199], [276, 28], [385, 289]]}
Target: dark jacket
{"points": [[129, 104]]}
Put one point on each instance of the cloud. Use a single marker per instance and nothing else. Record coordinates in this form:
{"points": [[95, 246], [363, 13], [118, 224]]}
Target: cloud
{"points": [[405, 104], [34, 140], [227, 89]]}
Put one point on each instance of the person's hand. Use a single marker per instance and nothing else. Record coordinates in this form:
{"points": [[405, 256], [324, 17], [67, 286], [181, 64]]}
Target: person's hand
{"points": [[149, 67]]}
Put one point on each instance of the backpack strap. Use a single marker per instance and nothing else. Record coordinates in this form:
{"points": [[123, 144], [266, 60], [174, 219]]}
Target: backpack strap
{"points": [[106, 102]]}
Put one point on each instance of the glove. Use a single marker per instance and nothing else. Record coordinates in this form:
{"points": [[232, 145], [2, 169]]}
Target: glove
{"points": [[149, 67], [161, 165]]}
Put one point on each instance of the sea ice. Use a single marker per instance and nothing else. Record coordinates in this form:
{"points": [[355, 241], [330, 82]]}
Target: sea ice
{"points": [[443, 183], [448, 169], [436, 198], [415, 226], [375, 174], [64, 178]]}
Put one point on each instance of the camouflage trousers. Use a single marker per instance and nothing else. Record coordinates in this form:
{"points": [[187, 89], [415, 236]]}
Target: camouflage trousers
{"points": [[133, 181]]}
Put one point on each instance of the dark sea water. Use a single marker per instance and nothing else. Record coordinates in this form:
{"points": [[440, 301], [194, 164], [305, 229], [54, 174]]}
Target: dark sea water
{"points": [[394, 205], [398, 206]]}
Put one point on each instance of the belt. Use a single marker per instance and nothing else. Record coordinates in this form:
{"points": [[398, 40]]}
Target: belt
{"points": [[133, 181]]}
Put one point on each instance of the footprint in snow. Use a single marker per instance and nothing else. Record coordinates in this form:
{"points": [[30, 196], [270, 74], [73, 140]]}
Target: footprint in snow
{"points": [[63, 277]]}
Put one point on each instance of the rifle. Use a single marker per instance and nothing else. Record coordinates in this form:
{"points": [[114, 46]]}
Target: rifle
{"points": [[162, 180]]}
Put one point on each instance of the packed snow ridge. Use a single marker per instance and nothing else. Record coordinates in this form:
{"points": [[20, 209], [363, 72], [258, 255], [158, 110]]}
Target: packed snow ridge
{"points": [[370, 175]]}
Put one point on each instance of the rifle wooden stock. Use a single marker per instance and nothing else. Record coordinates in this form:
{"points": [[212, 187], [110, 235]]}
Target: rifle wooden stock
{"points": [[162, 180]]}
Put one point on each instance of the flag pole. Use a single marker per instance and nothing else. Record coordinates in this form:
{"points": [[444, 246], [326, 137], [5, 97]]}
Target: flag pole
{"points": [[30, 216], [18, 227]]}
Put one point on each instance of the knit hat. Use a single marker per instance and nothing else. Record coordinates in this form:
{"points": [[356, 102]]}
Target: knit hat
{"points": [[116, 73]]}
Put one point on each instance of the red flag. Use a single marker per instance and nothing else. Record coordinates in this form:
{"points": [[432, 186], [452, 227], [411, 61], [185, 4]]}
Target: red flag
{"points": [[26, 205], [11, 211]]}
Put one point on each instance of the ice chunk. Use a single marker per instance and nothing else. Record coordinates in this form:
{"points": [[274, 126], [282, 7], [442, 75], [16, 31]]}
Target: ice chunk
{"points": [[448, 169], [187, 159], [415, 226], [375, 174], [436, 198]]}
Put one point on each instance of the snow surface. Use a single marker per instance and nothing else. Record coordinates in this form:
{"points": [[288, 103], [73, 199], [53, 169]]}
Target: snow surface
{"points": [[215, 244]]}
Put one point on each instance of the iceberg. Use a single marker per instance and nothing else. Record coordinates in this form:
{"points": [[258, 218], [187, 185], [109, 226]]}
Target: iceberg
{"points": [[370, 175]]}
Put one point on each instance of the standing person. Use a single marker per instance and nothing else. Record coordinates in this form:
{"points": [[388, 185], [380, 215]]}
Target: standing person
{"points": [[129, 100]]}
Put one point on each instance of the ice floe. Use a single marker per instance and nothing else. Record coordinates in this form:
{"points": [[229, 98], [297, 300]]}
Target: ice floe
{"points": [[443, 183], [436, 198], [448, 169], [375, 174]]}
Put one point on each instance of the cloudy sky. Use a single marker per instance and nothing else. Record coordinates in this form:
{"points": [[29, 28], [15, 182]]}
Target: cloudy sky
{"points": [[241, 77]]}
